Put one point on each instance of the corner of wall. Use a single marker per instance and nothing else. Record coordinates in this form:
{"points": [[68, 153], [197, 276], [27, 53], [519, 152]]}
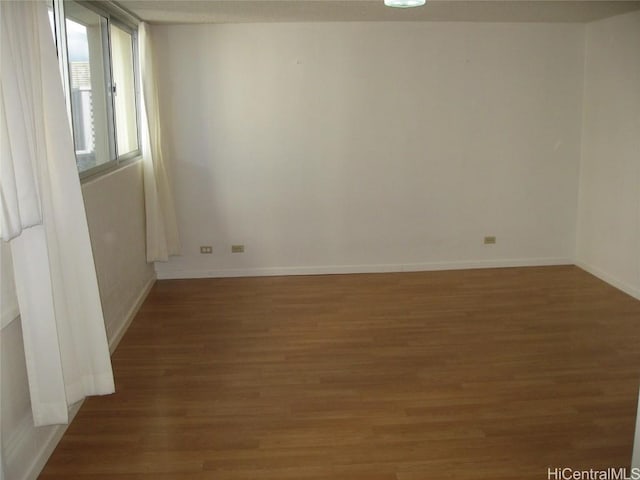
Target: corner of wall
{"points": [[576, 245]]}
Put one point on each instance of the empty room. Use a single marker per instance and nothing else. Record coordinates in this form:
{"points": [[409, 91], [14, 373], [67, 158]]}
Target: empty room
{"points": [[319, 239]]}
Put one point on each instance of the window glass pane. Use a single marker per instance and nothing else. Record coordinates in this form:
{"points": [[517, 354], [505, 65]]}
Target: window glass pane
{"points": [[87, 85], [124, 98]]}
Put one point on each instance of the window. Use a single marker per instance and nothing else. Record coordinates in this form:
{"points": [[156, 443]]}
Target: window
{"points": [[97, 52], [124, 90]]}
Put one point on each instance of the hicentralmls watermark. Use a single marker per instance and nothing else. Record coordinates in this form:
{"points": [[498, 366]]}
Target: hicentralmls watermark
{"points": [[568, 473]]}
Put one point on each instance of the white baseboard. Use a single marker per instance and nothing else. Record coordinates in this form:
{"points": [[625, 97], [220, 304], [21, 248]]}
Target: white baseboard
{"points": [[131, 314], [19, 449], [610, 279], [342, 269]]}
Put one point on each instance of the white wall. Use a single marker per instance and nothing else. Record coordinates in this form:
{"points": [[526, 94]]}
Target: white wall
{"points": [[115, 212], [608, 240], [608, 233], [372, 147]]}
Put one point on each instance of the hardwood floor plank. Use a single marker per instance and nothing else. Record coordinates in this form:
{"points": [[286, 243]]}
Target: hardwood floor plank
{"points": [[476, 374]]}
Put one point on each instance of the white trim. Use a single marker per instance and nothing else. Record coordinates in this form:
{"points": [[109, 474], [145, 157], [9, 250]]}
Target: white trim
{"points": [[17, 438], [342, 269], [21, 443], [610, 279], [131, 314], [88, 180]]}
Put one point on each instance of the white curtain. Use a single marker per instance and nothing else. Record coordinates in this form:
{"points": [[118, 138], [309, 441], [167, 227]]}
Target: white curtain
{"points": [[43, 217], [162, 229]]}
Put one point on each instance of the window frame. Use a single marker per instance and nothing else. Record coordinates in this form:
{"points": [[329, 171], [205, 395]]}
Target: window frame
{"points": [[133, 31], [110, 14]]}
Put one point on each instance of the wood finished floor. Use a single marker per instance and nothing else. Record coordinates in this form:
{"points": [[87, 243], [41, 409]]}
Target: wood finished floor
{"points": [[480, 374]]}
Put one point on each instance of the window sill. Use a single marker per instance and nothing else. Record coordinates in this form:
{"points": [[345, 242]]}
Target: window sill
{"points": [[108, 171]]}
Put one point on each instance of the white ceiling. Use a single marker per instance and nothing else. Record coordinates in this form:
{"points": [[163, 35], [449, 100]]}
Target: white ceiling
{"points": [[248, 11]]}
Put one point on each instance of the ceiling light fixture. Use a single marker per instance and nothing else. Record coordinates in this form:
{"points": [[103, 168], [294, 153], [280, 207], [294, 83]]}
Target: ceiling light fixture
{"points": [[404, 3]]}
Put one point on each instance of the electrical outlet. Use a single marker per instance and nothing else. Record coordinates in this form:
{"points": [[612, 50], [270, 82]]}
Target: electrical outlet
{"points": [[206, 249], [237, 248], [489, 240]]}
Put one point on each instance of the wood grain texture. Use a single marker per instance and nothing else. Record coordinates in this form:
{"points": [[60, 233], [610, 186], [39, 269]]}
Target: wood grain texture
{"points": [[478, 374]]}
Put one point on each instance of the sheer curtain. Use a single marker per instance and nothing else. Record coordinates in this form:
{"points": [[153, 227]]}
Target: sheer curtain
{"points": [[44, 220], [162, 229]]}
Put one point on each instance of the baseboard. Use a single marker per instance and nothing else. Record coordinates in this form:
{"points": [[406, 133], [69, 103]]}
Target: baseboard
{"points": [[131, 314], [610, 279], [23, 441], [344, 269], [14, 444]]}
